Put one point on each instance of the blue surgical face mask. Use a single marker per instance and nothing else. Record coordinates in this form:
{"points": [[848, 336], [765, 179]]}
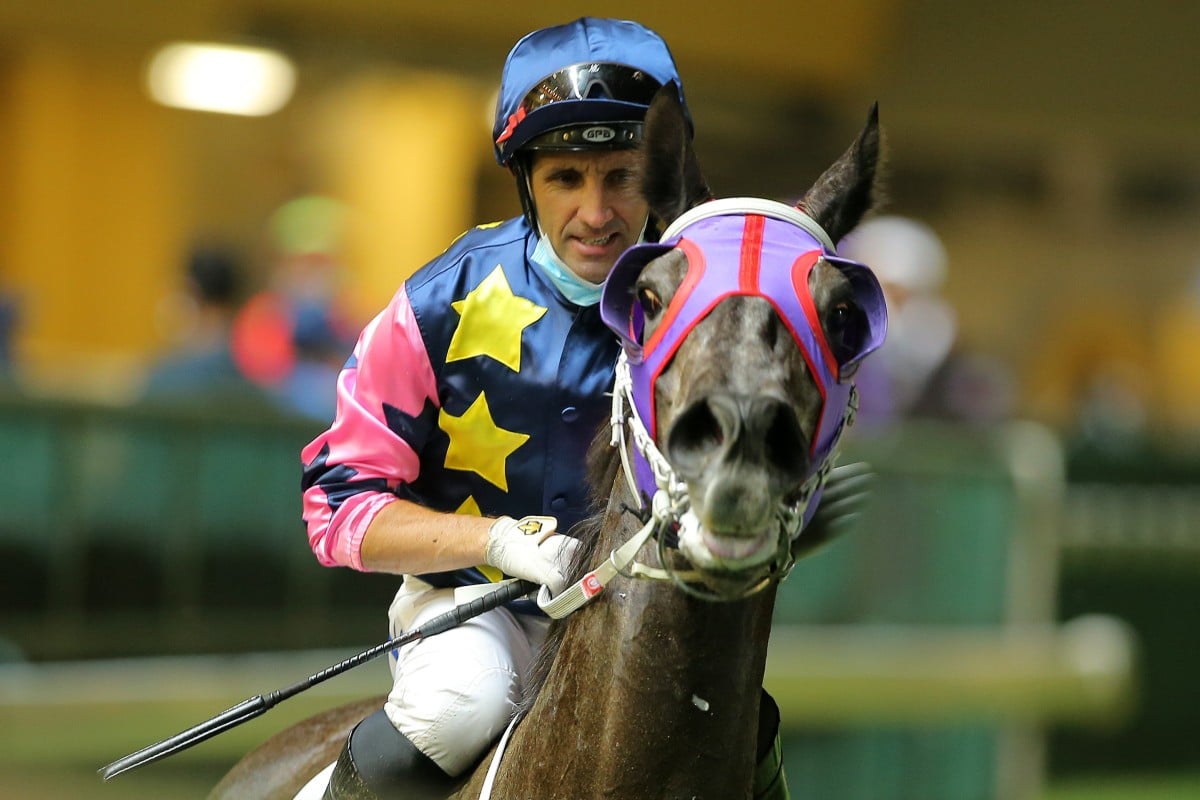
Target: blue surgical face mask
{"points": [[573, 287]]}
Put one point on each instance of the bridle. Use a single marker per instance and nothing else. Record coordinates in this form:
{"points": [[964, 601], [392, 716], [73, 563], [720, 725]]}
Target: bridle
{"points": [[673, 511], [669, 508], [663, 502]]}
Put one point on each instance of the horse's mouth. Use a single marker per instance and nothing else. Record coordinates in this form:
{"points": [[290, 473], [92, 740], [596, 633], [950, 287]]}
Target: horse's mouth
{"points": [[730, 553]]}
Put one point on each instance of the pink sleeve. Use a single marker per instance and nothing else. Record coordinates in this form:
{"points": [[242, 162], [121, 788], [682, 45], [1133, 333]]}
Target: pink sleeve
{"points": [[363, 458]]}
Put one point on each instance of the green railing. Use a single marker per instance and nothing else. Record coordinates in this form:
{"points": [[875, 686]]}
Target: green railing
{"points": [[159, 529]]}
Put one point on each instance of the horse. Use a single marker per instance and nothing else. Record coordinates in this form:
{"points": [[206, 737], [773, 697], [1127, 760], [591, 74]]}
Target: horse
{"points": [[741, 331]]}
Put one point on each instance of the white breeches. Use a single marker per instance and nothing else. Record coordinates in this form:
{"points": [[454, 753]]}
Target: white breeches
{"points": [[453, 693]]}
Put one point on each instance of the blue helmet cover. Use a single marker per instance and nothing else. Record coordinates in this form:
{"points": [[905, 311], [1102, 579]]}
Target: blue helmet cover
{"points": [[587, 40]]}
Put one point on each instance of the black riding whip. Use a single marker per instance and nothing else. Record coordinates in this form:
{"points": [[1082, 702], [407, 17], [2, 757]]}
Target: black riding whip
{"points": [[260, 704]]}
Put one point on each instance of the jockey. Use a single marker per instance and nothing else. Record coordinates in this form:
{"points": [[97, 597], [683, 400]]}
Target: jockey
{"points": [[456, 457]]}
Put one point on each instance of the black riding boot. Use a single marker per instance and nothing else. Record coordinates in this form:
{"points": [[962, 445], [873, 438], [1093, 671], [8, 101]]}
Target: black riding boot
{"points": [[770, 783], [380, 762]]}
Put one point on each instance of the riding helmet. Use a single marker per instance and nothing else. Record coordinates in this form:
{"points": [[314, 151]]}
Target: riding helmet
{"points": [[582, 85]]}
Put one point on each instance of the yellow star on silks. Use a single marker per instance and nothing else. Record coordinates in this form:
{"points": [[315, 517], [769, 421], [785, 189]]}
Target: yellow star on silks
{"points": [[482, 227], [469, 508], [492, 319], [478, 444]]}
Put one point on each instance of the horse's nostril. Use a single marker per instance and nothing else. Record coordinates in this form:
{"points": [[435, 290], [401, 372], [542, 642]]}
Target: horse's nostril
{"points": [[694, 436], [786, 448]]}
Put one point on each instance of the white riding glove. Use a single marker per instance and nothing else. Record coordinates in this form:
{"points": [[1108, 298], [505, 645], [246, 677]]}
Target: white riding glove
{"points": [[529, 548]]}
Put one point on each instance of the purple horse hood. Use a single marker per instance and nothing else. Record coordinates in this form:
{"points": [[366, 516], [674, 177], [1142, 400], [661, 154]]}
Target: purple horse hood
{"points": [[741, 246]]}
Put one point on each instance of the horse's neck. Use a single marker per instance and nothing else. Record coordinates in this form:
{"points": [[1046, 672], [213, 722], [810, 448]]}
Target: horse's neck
{"points": [[652, 694]]}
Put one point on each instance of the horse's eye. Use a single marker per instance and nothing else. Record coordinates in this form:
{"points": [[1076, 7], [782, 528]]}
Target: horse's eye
{"points": [[841, 317], [649, 300], [845, 331]]}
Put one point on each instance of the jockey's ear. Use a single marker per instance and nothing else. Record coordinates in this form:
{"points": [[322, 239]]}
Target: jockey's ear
{"points": [[846, 191], [672, 181]]}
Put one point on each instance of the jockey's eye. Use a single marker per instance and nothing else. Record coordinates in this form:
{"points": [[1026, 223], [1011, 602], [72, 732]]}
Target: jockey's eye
{"points": [[650, 302]]}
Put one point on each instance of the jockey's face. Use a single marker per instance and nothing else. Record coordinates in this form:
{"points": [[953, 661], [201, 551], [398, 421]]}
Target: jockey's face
{"points": [[589, 205]]}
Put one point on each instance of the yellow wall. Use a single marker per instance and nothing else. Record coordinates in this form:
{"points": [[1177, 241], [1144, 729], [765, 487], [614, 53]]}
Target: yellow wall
{"points": [[402, 151], [104, 191], [92, 216]]}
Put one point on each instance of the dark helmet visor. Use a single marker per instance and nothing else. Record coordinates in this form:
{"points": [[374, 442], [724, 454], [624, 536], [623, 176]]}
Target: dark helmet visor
{"points": [[592, 82], [578, 95]]}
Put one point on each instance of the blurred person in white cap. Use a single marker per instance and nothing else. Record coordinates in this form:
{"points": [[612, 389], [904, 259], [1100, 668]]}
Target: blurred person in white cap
{"points": [[921, 370]]}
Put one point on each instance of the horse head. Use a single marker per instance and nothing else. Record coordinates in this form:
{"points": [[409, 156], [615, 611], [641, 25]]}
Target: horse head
{"points": [[741, 332]]}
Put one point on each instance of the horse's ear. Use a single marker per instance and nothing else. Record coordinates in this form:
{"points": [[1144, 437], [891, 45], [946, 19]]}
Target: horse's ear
{"points": [[846, 191], [671, 178]]}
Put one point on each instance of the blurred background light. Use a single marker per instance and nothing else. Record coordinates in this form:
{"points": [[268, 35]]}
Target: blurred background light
{"points": [[228, 79]]}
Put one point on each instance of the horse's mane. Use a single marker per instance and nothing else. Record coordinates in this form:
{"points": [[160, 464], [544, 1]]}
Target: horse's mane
{"points": [[603, 462]]}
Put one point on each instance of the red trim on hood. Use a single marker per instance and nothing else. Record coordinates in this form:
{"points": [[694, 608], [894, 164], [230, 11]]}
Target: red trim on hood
{"points": [[695, 259], [751, 256], [801, 270]]}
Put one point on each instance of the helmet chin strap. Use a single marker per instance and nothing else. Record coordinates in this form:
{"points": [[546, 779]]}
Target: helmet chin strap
{"points": [[521, 170]]}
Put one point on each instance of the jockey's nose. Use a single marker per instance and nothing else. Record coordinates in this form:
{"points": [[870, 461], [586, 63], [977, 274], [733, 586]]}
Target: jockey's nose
{"points": [[595, 207], [755, 430]]}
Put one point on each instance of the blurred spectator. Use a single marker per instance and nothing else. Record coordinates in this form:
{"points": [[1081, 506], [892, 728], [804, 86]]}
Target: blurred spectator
{"points": [[922, 370], [8, 328], [293, 338], [293, 350], [1110, 408], [200, 367], [1176, 342]]}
